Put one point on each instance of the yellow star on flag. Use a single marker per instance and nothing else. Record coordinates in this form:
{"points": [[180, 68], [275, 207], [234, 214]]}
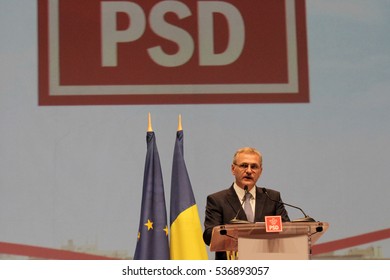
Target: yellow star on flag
{"points": [[166, 230], [149, 225]]}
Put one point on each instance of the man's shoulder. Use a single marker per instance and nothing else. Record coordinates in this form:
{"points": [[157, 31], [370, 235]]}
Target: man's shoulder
{"points": [[274, 194], [262, 189], [222, 193]]}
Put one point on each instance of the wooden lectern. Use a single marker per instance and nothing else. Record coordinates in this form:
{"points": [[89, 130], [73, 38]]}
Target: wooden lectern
{"points": [[252, 242]]}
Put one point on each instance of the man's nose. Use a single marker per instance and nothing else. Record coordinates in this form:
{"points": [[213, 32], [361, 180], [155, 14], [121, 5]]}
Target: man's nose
{"points": [[248, 169]]}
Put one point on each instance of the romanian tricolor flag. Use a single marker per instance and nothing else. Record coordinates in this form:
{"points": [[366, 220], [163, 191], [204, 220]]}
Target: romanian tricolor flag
{"points": [[186, 241]]}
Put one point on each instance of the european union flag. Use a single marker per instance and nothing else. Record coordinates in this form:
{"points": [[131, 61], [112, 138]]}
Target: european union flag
{"points": [[152, 241]]}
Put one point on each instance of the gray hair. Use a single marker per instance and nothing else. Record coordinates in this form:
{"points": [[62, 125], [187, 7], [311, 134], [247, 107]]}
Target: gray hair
{"points": [[248, 150]]}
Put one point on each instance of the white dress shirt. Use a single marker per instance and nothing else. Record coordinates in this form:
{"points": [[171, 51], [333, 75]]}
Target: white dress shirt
{"points": [[241, 195]]}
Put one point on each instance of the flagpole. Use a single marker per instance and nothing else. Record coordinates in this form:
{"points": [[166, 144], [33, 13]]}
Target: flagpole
{"points": [[150, 129], [179, 127]]}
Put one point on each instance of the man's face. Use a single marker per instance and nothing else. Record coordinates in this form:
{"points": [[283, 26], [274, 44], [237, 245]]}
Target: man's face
{"points": [[247, 169]]}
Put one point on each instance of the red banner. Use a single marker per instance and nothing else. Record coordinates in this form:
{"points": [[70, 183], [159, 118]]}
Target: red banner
{"points": [[172, 52]]}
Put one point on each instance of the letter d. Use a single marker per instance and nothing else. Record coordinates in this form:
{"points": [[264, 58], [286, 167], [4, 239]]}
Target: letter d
{"points": [[236, 29]]}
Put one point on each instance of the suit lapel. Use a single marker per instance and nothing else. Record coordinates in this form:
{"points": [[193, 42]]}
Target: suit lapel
{"points": [[259, 207], [235, 203]]}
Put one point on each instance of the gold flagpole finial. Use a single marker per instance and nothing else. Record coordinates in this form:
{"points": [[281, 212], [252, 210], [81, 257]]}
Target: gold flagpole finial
{"points": [[150, 129], [179, 127]]}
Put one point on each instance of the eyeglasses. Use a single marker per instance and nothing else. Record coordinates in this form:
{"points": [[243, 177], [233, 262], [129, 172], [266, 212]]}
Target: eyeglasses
{"points": [[244, 166]]}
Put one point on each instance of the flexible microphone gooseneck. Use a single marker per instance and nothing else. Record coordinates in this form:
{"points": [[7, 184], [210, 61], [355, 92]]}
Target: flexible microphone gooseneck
{"points": [[305, 219], [235, 220]]}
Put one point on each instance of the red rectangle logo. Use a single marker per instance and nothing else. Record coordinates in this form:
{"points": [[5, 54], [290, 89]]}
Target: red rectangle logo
{"points": [[172, 52], [273, 224]]}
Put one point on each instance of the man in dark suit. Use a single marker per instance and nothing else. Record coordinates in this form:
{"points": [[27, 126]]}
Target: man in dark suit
{"points": [[222, 207]]}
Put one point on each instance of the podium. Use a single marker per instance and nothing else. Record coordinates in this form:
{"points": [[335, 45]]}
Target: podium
{"points": [[253, 242]]}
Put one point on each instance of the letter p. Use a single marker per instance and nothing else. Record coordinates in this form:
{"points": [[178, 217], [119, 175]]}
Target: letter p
{"points": [[110, 36]]}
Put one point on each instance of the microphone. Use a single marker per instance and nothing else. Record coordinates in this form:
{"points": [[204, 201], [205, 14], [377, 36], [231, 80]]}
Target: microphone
{"points": [[235, 220], [305, 219], [224, 232]]}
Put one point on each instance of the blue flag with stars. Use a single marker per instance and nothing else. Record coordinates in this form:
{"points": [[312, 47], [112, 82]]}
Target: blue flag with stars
{"points": [[152, 241]]}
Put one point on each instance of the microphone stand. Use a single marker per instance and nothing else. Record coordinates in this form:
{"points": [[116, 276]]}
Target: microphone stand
{"points": [[300, 220]]}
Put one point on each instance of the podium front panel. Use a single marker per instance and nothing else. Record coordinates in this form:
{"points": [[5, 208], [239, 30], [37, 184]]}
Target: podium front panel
{"points": [[295, 247], [253, 242]]}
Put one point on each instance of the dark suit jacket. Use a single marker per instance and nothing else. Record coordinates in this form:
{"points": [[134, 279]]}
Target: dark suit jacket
{"points": [[224, 205]]}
